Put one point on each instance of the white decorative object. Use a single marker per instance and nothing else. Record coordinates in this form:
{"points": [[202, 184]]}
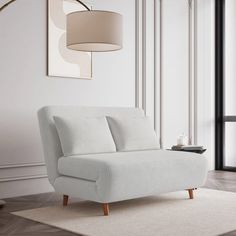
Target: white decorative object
{"points": [[62, 61], [84, 135], [182, 140], [133, 133]]}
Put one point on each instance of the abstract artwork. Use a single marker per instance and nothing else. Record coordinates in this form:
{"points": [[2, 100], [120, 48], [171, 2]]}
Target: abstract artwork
{"points": [[63, 62]]}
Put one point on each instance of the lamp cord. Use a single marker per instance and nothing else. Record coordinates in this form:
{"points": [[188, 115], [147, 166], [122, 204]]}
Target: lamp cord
{"points": [[8, 3]]}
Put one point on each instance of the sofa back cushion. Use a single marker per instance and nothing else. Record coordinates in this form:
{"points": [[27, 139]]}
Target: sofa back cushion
{"points": [[84, 135], [133, 133]]}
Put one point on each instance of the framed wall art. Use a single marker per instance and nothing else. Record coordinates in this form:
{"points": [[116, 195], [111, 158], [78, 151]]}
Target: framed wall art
{"points": [[64, 62]]}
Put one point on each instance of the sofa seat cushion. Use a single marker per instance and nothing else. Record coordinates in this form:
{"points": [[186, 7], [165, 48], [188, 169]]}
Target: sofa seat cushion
{"points": [[126, 175], [133, 165]]}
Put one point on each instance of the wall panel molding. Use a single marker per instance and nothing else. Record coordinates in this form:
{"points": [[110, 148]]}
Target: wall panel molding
{"points": [[144, 55], [137, 52], [24, 172], [22, 178], [19, 165], [158, 71], [139, 89], [148, 60], [192, 71], [152, 102], [160, 88], [24, 187], [200, 83], [195, 107]]}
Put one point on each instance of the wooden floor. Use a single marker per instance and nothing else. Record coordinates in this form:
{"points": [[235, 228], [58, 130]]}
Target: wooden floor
{"points": [[17, 226]]}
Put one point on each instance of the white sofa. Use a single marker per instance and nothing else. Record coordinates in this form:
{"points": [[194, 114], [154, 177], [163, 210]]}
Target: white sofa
{"points": [[110, 177]]}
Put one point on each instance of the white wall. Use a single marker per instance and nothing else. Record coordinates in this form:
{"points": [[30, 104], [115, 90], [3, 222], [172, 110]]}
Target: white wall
{"points": [[122, 78], [25, 88], [177, 102], [205, 87], [175, 70], [185, 104]]}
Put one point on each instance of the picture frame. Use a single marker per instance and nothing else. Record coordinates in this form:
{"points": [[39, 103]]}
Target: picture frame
{"points": [[64, 62]]}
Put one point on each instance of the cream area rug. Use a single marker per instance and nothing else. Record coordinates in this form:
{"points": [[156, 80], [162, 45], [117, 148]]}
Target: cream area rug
{"points": [[212, 212]]}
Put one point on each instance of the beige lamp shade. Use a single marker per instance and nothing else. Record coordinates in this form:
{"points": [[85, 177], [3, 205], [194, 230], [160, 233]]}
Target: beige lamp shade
{"points": [[94, 31]]}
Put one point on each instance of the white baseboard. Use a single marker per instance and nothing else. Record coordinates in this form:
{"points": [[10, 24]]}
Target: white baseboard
{"points": [[24, 187]]}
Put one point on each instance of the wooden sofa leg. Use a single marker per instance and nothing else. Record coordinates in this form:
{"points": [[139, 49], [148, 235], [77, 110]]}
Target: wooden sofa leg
{"points": [[65, 200], [106, 209], [190, 193]]}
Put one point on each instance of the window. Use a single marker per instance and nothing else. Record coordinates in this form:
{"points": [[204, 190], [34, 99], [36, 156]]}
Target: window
{"points": [[225, 84]]}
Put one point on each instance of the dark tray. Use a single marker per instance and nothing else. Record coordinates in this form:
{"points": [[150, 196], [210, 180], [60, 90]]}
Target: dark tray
{"points": [[195, 151]]}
